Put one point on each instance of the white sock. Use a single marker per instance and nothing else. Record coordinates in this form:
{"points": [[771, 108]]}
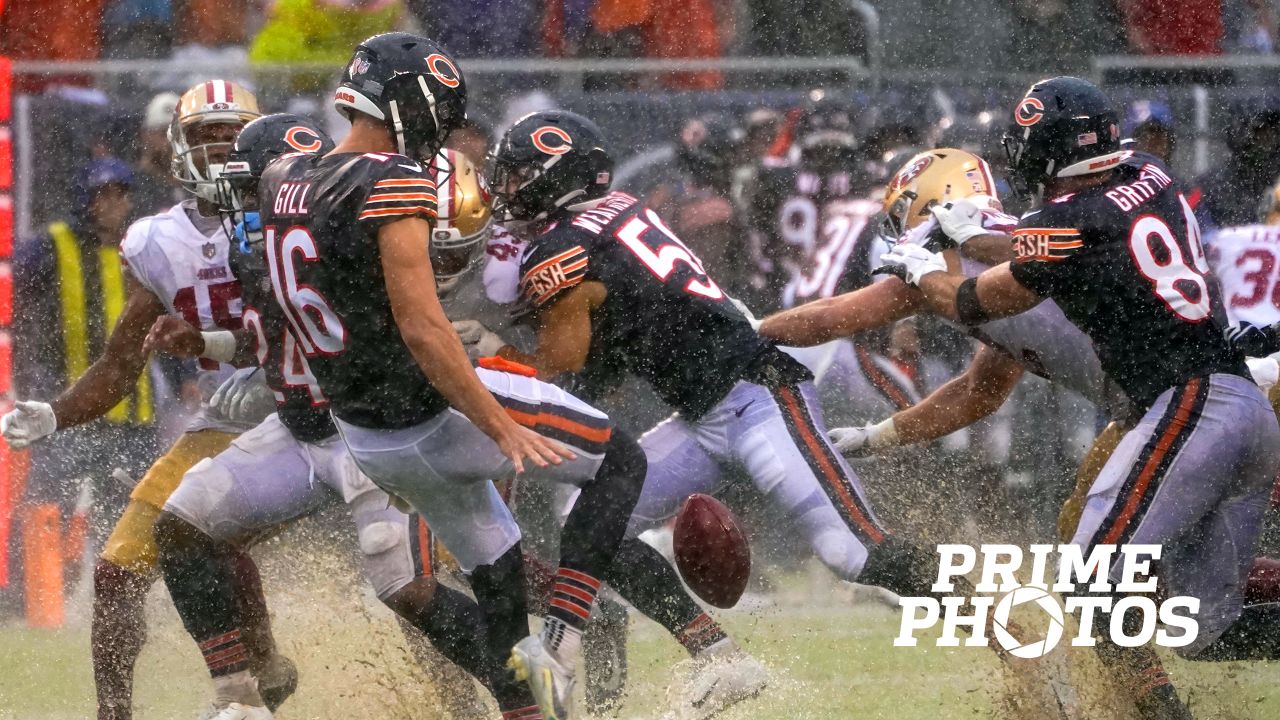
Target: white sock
{"points": [[562, 640]]}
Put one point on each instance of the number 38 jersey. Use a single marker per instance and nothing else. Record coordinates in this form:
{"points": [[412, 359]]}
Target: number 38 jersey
{"points": [[1243, 259], [321, 217], [1124, 262], [663, 319], [187, 269]]}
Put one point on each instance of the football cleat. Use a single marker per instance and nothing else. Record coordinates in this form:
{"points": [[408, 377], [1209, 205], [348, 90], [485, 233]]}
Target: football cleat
{"points": [[236, 711], [277, 681], [715, 682], [550, 681], [604, 657]]}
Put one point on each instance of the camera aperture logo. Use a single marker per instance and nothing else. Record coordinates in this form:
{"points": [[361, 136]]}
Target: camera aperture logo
{"points": [[1079, 585]]}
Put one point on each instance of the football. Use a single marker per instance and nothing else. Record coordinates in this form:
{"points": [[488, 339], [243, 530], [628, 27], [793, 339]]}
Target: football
{"points": [[711, 551]]}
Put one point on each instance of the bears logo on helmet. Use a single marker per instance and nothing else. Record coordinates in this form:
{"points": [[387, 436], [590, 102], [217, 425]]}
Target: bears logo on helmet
{"points": [[296, 137], [444, 70], [541, 144], [1030, 111]]}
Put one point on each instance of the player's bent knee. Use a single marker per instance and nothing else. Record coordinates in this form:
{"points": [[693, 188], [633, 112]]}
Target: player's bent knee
{"points": [[175, 535], [625, 465], [202, 499], [380, 537], [410, 601], [131, 544]]}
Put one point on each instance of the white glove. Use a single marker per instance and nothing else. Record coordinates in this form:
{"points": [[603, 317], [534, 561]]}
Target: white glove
{"points": [[746, 312], [911, 262], [244, 398], [1265, 371], [27, 422], [961, 220], [478, 340], [865, 440]]}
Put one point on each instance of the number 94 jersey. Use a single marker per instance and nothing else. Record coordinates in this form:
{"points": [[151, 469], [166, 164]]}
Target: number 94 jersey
{"points": [[663, 318], [1124, 262]]}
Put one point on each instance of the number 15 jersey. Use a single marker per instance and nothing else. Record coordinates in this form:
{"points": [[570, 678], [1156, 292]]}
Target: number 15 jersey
{"points": [[1124, 262], [321, 217], [663, 318]]}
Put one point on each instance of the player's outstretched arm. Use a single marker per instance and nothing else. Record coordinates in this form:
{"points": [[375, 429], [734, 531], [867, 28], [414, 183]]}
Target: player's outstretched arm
{"points": [[179, 338], [113, 375], [989, 249], [828, 319], [972, 301], [430, 336], [564, 332], [962, 401]]}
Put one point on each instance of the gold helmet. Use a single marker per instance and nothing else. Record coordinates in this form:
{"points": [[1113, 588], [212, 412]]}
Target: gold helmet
{"points": [[932, 177], [204, 126], [1269, 208], [465, 220]]}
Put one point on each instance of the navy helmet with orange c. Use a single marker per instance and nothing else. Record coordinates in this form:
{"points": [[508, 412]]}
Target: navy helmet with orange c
{"points": [[548, 162], [1062, 127]]}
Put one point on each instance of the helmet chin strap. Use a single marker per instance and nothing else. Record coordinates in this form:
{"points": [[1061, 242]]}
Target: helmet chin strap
{"points": [[398, 127]]}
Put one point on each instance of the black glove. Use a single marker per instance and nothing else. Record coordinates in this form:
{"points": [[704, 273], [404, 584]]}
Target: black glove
{"points": [[1252, 340]]}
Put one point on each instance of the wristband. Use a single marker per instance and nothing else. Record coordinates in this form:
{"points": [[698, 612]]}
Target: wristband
{"points": [[883, 434], [219, 345]]}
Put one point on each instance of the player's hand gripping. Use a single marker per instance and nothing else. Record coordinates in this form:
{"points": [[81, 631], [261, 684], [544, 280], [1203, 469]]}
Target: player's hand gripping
{"points": [[520, 444], [1252, 340], [172, 334], [478, 340], [244, 398], [911, 263], [27, 422], [960, 220], [865, 440]]}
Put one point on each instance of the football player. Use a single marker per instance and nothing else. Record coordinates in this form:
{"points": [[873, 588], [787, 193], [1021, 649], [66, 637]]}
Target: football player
{"points": [[347, 238], [1115, 243], [614, 292], [176, 263], [294, 463]]}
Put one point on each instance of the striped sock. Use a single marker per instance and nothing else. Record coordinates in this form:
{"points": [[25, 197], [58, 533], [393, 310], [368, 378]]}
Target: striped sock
{"points": [[225, 654], [701, 633], [571, 599], [525, 713]]}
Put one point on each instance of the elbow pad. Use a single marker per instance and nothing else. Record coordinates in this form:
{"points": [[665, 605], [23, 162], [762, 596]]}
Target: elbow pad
{"points": [[968, 307]]}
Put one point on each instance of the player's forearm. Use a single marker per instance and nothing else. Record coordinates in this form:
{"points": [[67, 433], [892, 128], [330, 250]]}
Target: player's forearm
{"points": [[939, 293], [956, 405], [102, 387], [990, 249], [832, 318], [246, 349], [439, 353]]}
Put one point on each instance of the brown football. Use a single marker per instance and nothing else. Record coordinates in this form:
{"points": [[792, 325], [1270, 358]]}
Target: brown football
{"points": [[711, 550]]}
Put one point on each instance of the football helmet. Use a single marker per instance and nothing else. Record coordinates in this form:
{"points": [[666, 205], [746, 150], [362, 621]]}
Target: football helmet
{"points": [[930, 178], [465, 221], [1062, 127], [546, 162], [204, 125], [707, 148], [411, 84], [827, 122], [259, 144]]}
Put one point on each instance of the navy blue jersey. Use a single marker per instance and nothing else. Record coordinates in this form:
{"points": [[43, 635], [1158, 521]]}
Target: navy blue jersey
{"points": [[663, 318], [1124, 262], [320, 219], [301, 404]]}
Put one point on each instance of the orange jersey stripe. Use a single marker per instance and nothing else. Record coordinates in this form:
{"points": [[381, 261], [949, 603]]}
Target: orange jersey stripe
{"points": [[384, 212], [388, 197], [404, 182], [425, 548], [1179, 424], [552, 261], [566, 605], [590, 434], [582, 595], [1046, 231]]}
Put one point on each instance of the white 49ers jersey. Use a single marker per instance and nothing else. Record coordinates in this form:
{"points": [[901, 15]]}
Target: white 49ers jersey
{"points": [[188, 271], [1042, 340], [491, 293], [1245, 260]]}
